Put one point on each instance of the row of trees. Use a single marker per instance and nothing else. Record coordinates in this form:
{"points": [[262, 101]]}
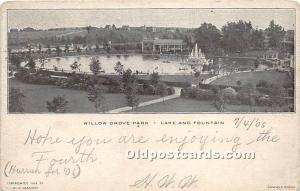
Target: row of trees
{"points": [[236, 37], [95, 37]]}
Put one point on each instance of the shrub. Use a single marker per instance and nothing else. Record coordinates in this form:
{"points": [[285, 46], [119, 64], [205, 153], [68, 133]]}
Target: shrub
{"points": [[263, 90], [203, 94], [247, 94], [229, 93], [162, 89], [15, 100], [15, 60], [115, 89], [96, 95], [197, 74], [262, 83], [22, 74], [186, 92], [263, 101], [288, 85], [115, 81], [290, 92], [171, 91], [219, 102], [154, 78], [146, 88], [182, 92], [149, 89], [58, 104], [277, 90], [196, 93]]}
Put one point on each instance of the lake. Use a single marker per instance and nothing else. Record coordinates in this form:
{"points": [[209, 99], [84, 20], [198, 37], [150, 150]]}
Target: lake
{"points": [[140, 63], [137, 63]]}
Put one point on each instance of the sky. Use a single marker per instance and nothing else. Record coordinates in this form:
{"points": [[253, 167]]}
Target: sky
{"points": [[187, 18]]}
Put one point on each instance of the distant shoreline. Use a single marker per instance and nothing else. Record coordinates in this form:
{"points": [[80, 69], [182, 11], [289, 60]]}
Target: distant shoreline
{"points": [[37, 56]]}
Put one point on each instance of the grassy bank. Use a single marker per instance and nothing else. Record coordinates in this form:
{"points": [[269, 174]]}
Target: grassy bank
{"points": [[272, 77], [191, 105], [37, 95]]}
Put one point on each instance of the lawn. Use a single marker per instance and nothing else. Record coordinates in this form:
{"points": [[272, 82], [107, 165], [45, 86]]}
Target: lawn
{"points": [[192, 105], [272, 77], [37, 95], [179, 105]]}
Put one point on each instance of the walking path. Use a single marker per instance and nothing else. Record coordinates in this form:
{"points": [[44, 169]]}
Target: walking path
{"points": [[173, 96]]}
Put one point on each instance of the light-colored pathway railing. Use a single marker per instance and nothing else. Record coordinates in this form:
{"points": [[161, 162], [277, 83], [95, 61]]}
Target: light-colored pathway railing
{"points": [[209, 80]]}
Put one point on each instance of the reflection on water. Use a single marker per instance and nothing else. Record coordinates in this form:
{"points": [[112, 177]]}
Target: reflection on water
{"points": [[140, 63]]}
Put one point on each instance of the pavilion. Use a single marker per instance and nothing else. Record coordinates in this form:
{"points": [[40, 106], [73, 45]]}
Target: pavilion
{"points": [[162, 45]]}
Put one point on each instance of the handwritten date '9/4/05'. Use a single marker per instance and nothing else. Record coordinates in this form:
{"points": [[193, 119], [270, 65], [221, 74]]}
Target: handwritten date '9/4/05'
{"points": [[163, 181]]}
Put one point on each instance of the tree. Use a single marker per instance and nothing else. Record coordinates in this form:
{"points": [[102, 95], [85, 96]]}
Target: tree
{"points": [[278, 96], [128, 77], [188, 41], [154, 78], [247, 94], [75, 66], [58, 50], [131, 88], [131, 94], [48, 49], [256, 64], [15, 100], [31, 64], [63, 40], [66, 48], [15, 60], [257, 39], [79, 40], [230, 68], [208, 38], [42, 61], [57, 104], [276, 33], [162, 90], [97, 48], [29, 48], [96, 95], [220, 101], [237, 36], [68, 39], [197, 74], [40, 48], [95, 66], [88, 28], [119, 68], [107, 46]]}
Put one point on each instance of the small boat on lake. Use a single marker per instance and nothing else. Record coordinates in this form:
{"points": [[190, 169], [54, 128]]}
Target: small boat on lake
{"points": [[183, 68]]}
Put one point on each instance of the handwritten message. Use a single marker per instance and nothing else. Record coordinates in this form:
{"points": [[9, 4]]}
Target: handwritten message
{"points": [[48, 160]]}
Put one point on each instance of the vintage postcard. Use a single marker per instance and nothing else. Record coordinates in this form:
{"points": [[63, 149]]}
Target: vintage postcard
{"points": [[150, 95]]}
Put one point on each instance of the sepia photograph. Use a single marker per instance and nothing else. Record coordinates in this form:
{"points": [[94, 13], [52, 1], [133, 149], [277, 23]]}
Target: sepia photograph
{"points": [[151, 60]]}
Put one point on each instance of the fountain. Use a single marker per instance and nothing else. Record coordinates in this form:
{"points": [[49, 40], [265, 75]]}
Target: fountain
{"points": [[196, 59]]}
